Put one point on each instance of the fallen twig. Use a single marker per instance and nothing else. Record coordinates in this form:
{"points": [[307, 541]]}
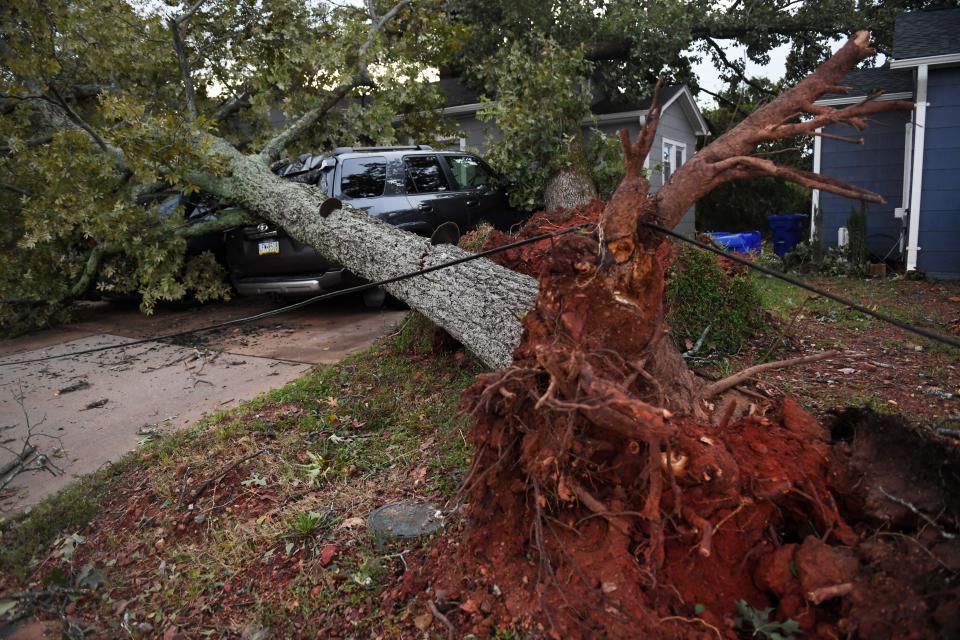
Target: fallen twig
{"points": [[731, 381], [206, 485], [451, 630], [903, 503]]}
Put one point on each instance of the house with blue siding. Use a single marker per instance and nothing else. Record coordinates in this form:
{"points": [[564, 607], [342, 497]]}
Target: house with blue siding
{"points": [[911, 158], [680, 128]]}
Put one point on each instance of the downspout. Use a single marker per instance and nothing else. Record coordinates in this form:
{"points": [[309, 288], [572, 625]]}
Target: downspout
{"points": [[815, 194], [916, 179]]}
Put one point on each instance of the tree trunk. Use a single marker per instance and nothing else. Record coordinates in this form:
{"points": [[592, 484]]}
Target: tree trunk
{"points": [[568, 189], [479, 303]]}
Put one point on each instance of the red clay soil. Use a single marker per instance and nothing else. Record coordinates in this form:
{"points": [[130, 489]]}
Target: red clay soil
{"points": [[581, 525]]}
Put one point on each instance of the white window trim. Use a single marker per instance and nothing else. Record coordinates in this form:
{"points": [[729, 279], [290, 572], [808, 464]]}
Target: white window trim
{"points": [[663, 148]]}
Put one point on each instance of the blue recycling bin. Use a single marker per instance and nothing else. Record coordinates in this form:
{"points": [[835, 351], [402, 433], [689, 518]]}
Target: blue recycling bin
{"points": [[746, 242], [788, 230]]}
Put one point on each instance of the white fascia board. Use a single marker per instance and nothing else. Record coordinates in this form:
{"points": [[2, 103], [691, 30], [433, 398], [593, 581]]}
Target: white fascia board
{"points": [[929, 61], [916, 180], [704, 128], [462, 109], [613, 118], [902, 95]]}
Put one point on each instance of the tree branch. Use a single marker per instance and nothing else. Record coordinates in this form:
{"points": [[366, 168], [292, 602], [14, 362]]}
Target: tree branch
{"points": [[722, 56], [746, 167], [185, 73], [73, 117], [728, 157], [232, 105], [177, 28], [109, 249], [16, 189], [361, 77]]}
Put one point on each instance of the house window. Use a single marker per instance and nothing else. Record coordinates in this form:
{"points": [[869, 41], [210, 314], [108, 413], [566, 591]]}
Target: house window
{"points": [[674, 155]]}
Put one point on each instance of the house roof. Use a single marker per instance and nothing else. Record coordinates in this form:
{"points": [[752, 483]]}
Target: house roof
{"points": [[456, 93], [922, 34], [615, 105], [876, 81]]}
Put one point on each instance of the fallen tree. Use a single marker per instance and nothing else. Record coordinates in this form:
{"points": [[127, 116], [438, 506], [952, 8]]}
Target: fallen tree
{"points": [[612, 488]]}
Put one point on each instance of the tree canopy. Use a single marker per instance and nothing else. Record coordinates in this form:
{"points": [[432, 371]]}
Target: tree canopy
{"points": [[110, 106]]}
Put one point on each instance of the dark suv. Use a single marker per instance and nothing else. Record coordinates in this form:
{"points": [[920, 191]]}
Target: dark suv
{"points": [[413, 188]]}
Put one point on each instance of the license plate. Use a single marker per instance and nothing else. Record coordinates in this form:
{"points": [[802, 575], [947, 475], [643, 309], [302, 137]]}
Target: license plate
{"points": [[269, 246]]}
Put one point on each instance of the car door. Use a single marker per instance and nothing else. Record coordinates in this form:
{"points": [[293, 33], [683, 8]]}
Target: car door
{"points": [[430, 194], [481, 189]]}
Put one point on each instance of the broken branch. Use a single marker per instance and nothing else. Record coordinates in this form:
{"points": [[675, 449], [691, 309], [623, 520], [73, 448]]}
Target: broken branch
{"points": [[731, 381]]}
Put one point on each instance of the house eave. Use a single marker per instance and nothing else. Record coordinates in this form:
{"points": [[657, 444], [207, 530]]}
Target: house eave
{"points": [[462, 109], [613, 118], [932, 61], [901, 95]]}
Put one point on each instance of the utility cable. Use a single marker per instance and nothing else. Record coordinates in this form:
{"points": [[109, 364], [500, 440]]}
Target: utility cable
{"points": [[309, 301], [953, 342]]}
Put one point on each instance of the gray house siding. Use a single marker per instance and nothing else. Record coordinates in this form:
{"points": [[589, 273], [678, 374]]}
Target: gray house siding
{"points": [[674, 126], [877, 165], [939, 237]]}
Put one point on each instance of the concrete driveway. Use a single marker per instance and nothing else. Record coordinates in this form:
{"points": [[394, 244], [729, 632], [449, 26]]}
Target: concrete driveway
{"points": [[83, 411]]}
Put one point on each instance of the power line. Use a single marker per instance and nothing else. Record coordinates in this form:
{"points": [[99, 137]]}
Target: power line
{"points": [[906, 326], [482, 254], [309, 301]]}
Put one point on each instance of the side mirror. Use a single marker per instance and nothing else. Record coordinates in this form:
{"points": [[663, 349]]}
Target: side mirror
{"points": [[328, 163]]}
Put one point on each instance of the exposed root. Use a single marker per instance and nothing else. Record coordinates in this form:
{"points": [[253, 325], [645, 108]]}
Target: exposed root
{"points": [[828, 593]]}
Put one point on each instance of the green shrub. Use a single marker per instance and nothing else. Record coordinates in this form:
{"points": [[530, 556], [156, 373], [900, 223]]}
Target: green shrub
{"points": [[701, 293]]}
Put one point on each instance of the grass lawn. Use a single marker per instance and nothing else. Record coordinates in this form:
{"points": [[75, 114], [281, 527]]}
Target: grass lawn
{"points": [[275, 545]]}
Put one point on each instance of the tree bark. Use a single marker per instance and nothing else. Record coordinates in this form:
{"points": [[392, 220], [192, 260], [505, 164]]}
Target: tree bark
{"points": [[479, 303], [568, 189]]}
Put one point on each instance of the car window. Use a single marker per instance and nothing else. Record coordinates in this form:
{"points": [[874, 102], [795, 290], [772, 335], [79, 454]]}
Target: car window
{"points": [[426, 174], [468, 173], [363, 177]]}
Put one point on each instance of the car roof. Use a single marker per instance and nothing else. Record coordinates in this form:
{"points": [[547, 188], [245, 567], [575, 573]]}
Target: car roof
{"points": [[396, 152]]}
